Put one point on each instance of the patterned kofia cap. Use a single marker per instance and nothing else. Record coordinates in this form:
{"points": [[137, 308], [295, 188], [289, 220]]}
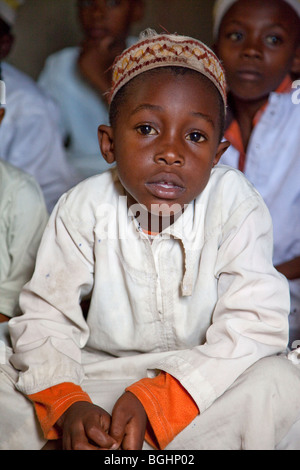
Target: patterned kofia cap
{"points": [[155, 50]]}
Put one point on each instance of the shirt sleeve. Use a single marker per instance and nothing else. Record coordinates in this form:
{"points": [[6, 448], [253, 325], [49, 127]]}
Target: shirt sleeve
{"points": [[46, 160], [168, 405], [26, 222], [52, 402]]}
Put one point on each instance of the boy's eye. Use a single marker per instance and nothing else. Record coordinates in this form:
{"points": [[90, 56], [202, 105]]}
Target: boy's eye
{"points": [[273, 40], [236, 36], [93, 3], [146, 130], [196, 137]]}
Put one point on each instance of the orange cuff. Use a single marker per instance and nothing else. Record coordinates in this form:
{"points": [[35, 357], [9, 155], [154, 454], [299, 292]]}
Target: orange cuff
{"points": [[169, 408], [51, 403]]}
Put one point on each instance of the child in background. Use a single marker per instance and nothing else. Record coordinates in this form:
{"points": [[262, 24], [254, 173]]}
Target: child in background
{"points": [[23, 217], [176, 253], [259, 46], [29, 135], [79, 77]]}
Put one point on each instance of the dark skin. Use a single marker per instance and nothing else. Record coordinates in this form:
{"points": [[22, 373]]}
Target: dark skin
{"points": [[3, 318], [259, 45], [6, 40], [165, 150], [105, 25]]}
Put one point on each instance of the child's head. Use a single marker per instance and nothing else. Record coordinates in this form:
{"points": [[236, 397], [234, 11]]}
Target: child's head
{"points": [[258, 43], [167, 112], [102, 18], [7, 19]]}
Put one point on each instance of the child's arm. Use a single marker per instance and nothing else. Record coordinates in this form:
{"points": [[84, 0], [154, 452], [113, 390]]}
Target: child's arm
{"points": [[3, 318], [168, 406], [290, 269], [96, 59]]}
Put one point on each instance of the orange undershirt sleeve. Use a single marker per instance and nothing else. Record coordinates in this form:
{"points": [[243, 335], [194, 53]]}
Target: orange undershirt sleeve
{"points": [[169, 408], [52, 402]]}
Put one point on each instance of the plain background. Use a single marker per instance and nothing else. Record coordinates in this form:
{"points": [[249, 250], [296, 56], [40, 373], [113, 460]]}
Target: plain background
{"points": [[45, 26]]}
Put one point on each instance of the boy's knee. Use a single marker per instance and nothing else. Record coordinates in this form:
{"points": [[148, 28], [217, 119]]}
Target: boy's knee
{"points": [[277, 374]]}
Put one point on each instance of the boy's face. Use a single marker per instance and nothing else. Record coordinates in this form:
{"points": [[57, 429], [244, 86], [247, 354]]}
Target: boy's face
{"points": [[165, 140], [258, 44], [103, 18], [6, 40]]}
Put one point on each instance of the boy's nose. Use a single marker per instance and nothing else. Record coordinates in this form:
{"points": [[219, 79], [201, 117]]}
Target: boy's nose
{"points": [[252, 48], [169, 155]]}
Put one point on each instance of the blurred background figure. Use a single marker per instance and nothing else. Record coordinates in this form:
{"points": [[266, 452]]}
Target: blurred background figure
{"points": [[23, 217], [259, 45], [29, 136], [78, 78]]}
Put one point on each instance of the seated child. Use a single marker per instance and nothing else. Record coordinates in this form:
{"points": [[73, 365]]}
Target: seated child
{"points": [[79, 77], [22, 222], [29, 135], [259, 46], [176, 253]]}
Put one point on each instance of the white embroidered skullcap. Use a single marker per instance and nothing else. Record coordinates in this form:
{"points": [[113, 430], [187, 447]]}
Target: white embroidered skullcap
{"points": [[155, 50], [222, 6], [8, 10]]}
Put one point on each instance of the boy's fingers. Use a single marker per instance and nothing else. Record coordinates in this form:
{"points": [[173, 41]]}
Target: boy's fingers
{"points": [[117, 428], [134, 437], [98, 434]]}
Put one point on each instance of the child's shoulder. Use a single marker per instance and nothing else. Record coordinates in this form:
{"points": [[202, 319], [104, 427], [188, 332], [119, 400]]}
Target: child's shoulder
{"points": [[14, 180], [227, 191], [225, 178], [89, 194], [62, 59]]}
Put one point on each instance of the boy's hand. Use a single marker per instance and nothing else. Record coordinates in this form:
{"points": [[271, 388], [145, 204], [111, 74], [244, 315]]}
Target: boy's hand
{"points": [[129, 421], [85, 427], [96, 58]]}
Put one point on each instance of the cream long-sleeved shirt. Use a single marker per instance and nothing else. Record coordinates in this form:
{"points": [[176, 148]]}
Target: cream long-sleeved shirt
{"points": [[201, 301], [23, 217]]}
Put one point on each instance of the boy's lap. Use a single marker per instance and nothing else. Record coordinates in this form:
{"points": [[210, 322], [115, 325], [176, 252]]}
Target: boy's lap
{"points": [[255, 413]]}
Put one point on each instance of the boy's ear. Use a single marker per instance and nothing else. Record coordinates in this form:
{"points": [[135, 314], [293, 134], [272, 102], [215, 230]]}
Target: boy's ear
{"points": [[138, 10], [296, 63], [106, 143], [223, 146]]}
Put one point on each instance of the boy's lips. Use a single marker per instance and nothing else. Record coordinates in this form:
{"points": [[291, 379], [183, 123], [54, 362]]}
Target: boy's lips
{"points": [[98, 32], [165, 186], [249, 74]]}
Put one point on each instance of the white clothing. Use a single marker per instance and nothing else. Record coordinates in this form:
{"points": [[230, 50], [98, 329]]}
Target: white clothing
{"points": [[255, 413], [82, 109], [29, 136], [202, 301], [273, 167], [22, 222]]}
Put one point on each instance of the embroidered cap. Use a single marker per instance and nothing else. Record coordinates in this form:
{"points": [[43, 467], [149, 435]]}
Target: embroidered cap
{"points": [[155, 50], [8, 10], [222, 6]]}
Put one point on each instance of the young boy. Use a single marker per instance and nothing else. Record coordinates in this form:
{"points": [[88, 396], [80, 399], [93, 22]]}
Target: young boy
{"points": [[185, 302], [78, 78], [29, 135], [22, 222], [259, 46]]}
